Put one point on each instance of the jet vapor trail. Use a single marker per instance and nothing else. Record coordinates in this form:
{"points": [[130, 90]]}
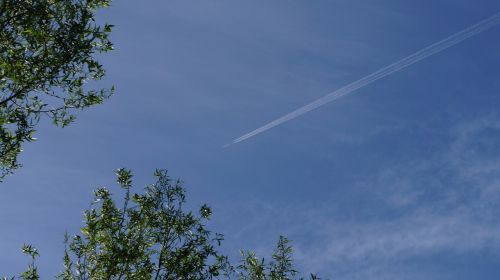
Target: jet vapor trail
{"points": [[401, 64]]}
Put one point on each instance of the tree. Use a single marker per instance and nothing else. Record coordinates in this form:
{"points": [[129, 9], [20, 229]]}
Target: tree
{"points": [[280, 268], [47, 55], [150, 236]]}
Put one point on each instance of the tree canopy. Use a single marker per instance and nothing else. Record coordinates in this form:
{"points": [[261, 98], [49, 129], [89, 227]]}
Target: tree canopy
{"points": [[150, 235], [48, 53]]}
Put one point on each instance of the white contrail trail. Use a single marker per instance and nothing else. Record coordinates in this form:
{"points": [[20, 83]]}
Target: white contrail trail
{"points": [[401, 64]]}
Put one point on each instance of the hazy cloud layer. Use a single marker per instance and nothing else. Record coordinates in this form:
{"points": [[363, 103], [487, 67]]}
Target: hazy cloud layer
{"points": [[446, 204]]}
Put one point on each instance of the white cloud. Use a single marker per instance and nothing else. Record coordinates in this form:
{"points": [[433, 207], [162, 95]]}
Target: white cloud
{"points": [[434, 218], [448, 203]]}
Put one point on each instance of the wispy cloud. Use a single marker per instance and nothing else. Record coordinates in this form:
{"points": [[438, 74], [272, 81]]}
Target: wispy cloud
{"points": [[447, 203], [458, 218]]}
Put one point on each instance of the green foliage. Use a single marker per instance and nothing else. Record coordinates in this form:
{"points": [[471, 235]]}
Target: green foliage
{"points": [[32, 272], [47, 50], [280, 268], [149, 237]]}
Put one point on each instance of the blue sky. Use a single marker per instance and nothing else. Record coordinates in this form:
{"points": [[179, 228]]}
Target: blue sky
{"points": [[400, 180]]}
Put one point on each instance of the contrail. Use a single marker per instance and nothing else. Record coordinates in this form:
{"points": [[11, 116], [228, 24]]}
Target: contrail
{"points": [[396, 66]]}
